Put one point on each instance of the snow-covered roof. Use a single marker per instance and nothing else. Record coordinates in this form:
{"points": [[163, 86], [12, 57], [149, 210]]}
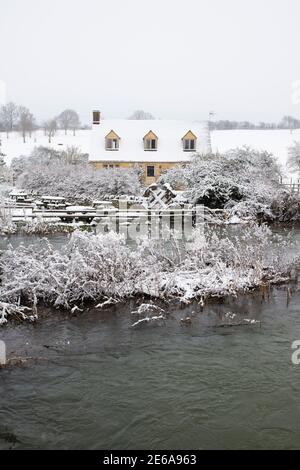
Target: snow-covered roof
{"points": [[80, 209], [132, 132], [18, 192], [53, 198]]}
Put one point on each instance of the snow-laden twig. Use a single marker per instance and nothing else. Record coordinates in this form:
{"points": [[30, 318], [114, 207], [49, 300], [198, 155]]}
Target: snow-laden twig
{"points": [[107, 302], [147, 308], [13, 310], [76, 309], [240, 323], [148, 320]]}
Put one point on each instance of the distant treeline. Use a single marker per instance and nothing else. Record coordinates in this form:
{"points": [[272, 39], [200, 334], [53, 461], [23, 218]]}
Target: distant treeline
{"points": [[287, 122], [14, 117]]}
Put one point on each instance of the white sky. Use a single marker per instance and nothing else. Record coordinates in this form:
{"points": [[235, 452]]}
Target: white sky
{"points": [[174, 58]]}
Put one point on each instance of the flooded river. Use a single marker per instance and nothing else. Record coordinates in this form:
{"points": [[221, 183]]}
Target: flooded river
{"points": [[93, 382], [101, 384]]}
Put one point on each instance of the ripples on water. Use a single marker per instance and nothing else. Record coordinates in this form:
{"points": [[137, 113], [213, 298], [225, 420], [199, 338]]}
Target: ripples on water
{"points": [[104, 385]]}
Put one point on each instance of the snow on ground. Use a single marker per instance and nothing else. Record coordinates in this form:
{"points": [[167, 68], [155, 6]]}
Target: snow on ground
{"points": [[14, 145], [274, 141]]}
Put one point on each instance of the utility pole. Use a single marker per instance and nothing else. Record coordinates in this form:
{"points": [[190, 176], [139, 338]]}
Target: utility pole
{"points": [[210, 115]]}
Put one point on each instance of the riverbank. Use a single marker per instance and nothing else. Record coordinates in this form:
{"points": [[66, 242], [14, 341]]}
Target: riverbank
{"points": [[92, 269]]}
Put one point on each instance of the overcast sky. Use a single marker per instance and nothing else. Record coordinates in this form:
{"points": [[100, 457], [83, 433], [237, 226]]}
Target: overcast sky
{"points": [[174, 58]]}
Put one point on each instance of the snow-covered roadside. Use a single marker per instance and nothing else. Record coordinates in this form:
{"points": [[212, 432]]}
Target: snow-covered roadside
{"points": [[92, 268]]}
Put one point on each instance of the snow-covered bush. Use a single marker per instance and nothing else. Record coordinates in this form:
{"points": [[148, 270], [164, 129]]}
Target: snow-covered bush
{"points": [[7, 226], [294, 157], [286, 208], [218, 181], [88, 268], [250, 209], [69, 175], [80, 183], [40, 227], [47, 156], [92, 268], [4, 170]]}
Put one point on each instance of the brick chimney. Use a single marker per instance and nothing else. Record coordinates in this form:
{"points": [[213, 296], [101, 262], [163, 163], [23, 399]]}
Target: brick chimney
{"points": [[96, 117]]}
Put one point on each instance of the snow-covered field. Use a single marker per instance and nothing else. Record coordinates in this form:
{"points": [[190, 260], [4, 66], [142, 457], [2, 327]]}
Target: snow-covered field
{"points": [[14, 146], [274, 141]]}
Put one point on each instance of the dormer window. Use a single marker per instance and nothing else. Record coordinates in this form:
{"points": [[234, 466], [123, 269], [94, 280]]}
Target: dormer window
{"points": [[150, 142], [189, 142], [112, 141]]}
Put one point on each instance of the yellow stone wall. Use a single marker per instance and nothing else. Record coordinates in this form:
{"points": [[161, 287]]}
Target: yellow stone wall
{"points": [[159, 167]]}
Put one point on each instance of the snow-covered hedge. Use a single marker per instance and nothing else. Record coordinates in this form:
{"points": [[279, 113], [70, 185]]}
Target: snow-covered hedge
{"points": [[69, 175], [242, 175], [92, 268], [286, 208]]}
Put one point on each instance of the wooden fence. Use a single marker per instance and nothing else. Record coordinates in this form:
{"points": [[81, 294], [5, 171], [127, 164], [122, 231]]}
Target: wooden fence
{"points": [[294, 188]]}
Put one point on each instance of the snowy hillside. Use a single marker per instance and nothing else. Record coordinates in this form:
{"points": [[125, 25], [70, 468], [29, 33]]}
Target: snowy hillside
{"points": [[274, 141]]}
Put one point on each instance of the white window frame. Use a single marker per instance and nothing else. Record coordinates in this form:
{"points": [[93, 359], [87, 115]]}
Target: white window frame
{"points": [[150, 149], [188, 148]]}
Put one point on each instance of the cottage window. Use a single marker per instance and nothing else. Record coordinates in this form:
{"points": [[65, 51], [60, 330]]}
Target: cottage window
{"points": [[150, 170], [189, 145], [189, 141], [112, 144], [150, 142], [112, 141]]}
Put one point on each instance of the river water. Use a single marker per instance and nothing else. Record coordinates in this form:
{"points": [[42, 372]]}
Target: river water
{"points": [[93, 382]]}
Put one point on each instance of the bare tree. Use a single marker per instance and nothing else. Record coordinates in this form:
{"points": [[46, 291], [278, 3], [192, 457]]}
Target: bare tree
{"points": [[75, 123], [8, 117], [72, 155], [26, 122], [69, 119], [50, 127], [289, 122], [141, 115]]}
